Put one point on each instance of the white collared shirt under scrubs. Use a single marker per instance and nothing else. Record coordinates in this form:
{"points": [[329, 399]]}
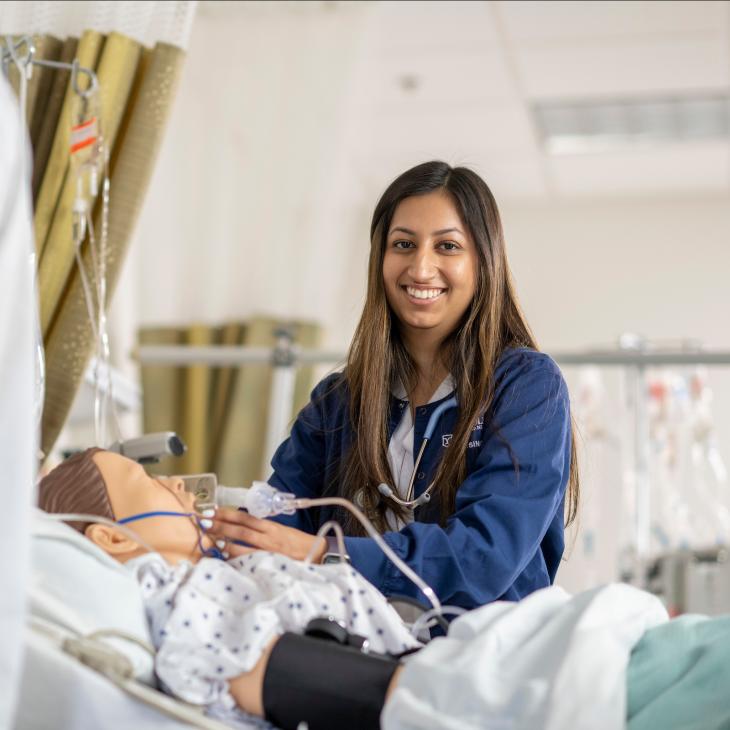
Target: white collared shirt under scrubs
{"points": [[401, 447]]}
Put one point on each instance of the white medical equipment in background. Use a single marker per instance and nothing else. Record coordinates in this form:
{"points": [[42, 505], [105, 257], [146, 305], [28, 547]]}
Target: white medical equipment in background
{"points": [[592, 544], [18, 392], [689, 478], [151, 447], [10, 53], [675, 493]]}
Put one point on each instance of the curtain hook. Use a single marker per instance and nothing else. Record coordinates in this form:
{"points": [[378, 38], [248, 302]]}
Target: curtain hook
{"points": [[76, 69], [11, 52]]}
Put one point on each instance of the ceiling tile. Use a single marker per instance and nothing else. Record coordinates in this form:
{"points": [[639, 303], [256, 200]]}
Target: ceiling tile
{"points": [[497, 130], [439, 26], [529, 21], [697, 167], [626, 68]]}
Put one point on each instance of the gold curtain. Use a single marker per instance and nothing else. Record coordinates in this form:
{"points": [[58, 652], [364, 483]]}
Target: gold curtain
{"points": [[220, 412], [137, 86]]}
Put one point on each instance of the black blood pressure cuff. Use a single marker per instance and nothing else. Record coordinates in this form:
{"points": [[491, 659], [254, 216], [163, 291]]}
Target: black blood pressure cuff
{"points": [[325, 683]]}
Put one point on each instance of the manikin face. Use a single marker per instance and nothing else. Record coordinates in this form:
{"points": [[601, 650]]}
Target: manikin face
{"points": [[132, 491], [430, 265]]}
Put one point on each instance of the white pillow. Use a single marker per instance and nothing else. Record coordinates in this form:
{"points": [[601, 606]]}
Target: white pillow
{"points": [[77, 585]]}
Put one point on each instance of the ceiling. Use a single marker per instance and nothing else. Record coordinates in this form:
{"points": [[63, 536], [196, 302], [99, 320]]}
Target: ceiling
{"points": [[458, 80]]}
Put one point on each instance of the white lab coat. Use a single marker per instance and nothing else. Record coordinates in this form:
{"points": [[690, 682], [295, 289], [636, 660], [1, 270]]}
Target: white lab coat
{"points": [[18, 439]]}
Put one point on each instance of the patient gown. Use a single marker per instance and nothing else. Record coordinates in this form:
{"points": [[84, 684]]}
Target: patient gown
{"points": [[211, 621]]}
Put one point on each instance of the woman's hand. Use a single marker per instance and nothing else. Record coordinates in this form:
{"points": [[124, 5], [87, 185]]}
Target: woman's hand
{"points": [[232, 524]]}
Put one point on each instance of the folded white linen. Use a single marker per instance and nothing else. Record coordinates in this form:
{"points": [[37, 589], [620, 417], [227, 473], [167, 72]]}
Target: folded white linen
{"points": [[552, 661]]}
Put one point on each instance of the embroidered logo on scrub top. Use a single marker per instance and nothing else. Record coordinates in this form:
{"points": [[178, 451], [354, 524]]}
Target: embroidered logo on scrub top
{"points": [[446, 439], [478, 426]]}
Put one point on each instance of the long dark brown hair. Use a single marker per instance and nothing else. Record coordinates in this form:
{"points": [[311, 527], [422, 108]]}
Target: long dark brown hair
{"points": [[378, 357]]}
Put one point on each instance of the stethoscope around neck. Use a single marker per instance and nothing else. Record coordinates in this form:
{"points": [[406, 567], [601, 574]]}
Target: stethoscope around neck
{"points": [[409, 502]]}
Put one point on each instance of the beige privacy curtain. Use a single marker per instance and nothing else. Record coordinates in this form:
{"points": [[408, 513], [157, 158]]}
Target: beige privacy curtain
{"points": [[220, 412], [137, 86]]}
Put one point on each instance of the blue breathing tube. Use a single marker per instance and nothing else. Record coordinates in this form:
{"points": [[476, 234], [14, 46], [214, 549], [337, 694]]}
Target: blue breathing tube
{"points": [[145, 515], [213, 552]]}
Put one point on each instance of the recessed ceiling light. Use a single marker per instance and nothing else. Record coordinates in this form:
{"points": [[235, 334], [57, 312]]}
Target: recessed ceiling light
{"points": [[592, 126]]}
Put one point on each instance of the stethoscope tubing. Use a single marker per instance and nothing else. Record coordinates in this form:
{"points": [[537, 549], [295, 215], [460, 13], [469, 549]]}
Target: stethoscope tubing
{"points": [[409, 502]]}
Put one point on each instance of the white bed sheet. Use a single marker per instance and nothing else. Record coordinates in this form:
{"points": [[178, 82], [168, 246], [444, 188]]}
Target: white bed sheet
{"points": [[552, 661], [59, 692]]}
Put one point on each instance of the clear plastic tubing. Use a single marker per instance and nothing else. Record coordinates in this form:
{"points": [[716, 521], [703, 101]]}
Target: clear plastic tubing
{"points": [[426, 589], [262, 500]]}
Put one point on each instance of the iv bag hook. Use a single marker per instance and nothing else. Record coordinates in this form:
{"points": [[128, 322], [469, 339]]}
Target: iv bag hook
{"points": [[22, 62]]}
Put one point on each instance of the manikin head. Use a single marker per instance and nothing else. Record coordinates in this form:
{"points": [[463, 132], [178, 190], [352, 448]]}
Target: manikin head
{"points": [[108, 485]]}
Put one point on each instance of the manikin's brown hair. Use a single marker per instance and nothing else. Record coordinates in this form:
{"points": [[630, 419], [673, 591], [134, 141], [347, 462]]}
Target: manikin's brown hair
{"points": [[76, 486], [378, 358]]}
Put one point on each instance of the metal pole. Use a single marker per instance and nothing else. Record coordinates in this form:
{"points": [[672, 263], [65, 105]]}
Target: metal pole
{"points": [[228, 355], [282, 396], [642, 358], [642, 475], [223, 355]]}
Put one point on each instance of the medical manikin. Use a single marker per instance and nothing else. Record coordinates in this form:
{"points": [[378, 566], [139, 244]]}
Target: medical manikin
{"points": [[230, 634], [238, 635]]}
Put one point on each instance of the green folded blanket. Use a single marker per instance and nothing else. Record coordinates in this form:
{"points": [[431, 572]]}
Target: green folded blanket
{"points": [[679, 676]]}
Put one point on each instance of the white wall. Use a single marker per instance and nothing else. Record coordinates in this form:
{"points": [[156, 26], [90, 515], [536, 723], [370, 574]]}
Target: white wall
{"points": [[588, 270]]}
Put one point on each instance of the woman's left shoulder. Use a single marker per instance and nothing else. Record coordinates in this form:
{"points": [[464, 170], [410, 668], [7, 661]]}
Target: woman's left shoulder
{"points": [[523, 361], [525, 380]]}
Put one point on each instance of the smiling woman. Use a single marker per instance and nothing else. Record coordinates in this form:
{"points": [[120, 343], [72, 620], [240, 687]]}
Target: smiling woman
{"points": [[430, 276], [495, 476]]}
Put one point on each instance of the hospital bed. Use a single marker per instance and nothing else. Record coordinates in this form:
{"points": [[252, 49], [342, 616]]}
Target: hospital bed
{"points": [[85, 661], [86, 665]]}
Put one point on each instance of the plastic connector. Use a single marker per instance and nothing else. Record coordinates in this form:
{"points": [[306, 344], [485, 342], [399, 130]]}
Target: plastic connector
{"points": [[265, 501], [260, 500]]}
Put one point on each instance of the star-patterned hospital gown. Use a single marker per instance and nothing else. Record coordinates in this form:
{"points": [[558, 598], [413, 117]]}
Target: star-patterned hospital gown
{"points": [[211, 621]]}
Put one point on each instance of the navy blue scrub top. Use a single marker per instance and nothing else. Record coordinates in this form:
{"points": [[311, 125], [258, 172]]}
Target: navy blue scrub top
{"points": [[505, 537]]}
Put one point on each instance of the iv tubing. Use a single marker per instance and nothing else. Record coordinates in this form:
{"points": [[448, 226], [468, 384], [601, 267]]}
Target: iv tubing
{"points": [[423, 621], [304, 503], [337, 529]]}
